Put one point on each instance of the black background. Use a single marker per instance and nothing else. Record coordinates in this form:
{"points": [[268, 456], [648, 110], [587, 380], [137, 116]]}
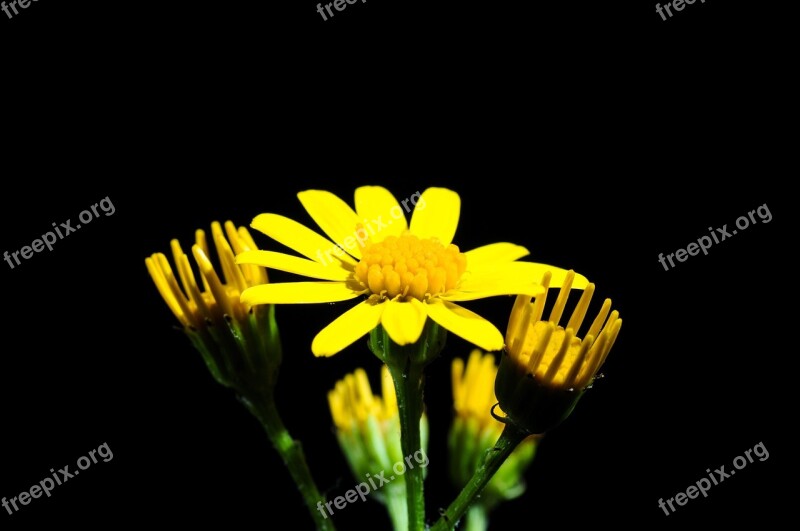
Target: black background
{"points": [[596, 135]]}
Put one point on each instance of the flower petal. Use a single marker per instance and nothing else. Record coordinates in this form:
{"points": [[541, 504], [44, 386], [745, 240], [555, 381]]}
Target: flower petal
{"points": [[496, 274], [483, 285], [377, 206], [299, 293], [347, 328], [466, 324], [436, 214], [534, 272], [294, 264], [489, 255], [333, 216], [300, 238], [404, 321]]}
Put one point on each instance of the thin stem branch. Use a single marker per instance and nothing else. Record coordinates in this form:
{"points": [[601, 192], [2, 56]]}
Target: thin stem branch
{"points": [[291, 451], [495, 457]]}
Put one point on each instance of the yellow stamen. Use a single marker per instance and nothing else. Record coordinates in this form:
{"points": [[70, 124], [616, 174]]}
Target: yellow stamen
{"points": [[600, 319], [202, 243], [561, 301], [538, 305], [187, 278], [407, 266], [569, 380], [580, 310], [542, 338], [172, 284], [555, 354], [216, 287], [558, 359], [167, 293], [518, 319]]}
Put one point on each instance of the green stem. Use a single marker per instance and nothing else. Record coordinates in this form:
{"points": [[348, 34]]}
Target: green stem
{"points": [[408, 383], [406, 364], [495, 457], [477, 518], [291, 451]]}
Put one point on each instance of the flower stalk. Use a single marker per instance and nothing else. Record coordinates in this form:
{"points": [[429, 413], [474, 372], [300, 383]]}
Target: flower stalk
{"points": [[494, 458], [407, 365], [291, 452]]}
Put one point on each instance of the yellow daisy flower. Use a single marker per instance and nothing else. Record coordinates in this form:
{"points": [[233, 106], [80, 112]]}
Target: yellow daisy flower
{"points": [[547, 366], [240, 344], [552, 353], [406, 273], [195, 308]]}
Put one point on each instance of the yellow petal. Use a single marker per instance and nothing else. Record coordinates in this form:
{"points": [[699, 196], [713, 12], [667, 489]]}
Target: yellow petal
{"points": [[173, 298], [489, 255], [233, 275], [215, 285], [299, 293], [379, 210], [436, 215], [492, 286], [294, 264], [404, 321], [347, 328], [466, 324], [334, 217], [300, 238], [530, 271]]}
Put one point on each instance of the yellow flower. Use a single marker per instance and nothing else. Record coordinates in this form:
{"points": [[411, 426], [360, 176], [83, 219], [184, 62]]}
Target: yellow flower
{"points": [[475, 430], [369, 425], [473, 391], [546, 367], [238, 342], [353, 405], [554, 355], [406, 273], [195, 308], [368, 431]]}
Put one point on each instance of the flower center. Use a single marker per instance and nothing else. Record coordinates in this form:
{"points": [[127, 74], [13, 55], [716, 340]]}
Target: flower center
{"points": [[407, 266], [547, 342]]}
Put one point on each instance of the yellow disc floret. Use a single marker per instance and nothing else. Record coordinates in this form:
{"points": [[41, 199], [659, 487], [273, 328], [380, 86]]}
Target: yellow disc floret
{"points": [[408, 266]]}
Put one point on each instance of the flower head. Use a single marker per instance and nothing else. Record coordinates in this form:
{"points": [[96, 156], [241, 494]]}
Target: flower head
{"points": [[404, 273], [368, 431], [475, 430], [239, 343], [546, 367], [354, 407]]}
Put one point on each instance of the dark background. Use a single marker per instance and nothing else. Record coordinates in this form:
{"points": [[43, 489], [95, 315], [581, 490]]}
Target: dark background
{"points": [[596, 135]]}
